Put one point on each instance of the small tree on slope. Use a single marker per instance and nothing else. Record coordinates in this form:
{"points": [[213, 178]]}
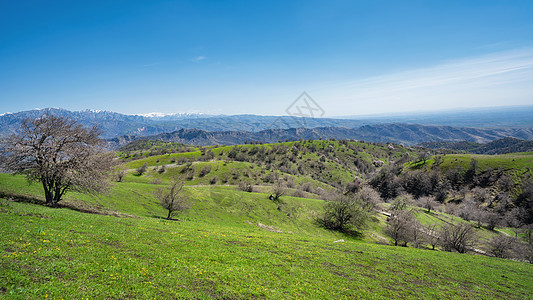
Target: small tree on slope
{"points": [[172, 198]]}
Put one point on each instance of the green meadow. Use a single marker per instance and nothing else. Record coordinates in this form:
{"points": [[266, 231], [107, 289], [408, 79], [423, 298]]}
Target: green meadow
{"points": [[229, 245]]}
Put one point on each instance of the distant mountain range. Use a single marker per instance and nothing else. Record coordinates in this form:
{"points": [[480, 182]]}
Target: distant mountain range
{"points": [[501, 146], [200, 129], [408, 134], [115, 124]]}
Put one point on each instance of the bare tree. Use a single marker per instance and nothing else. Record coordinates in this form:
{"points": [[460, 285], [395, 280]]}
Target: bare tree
{"points": [[401, 226], [59, 153], [459, 237], [277, 191], [120, 173], [492, 219], [431, 235], [424, 156], [524, 251], [172, 198], [428, 202], [501, 246], [369, 197]]}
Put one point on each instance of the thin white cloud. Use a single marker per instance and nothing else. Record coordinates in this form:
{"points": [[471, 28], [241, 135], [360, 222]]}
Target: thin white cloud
{"points": [[503, 78], [198, 58]]}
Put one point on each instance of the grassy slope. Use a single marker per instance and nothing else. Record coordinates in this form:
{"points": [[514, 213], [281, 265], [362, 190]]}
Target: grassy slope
{"points": [[62, 253], [516, 164], [337, 158], [218, 250]]}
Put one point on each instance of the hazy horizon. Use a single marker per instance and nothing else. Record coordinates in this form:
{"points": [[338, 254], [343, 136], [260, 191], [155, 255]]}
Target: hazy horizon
{"points": [[376, 115]]}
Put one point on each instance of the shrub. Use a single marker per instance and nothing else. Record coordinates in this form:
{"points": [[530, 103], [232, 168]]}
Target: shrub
{"points": [[246, 187], [142, 169], [277, 191], [344, 214], [120, 174], [307, 187], [182, 160], [205, 170], [161, 169]]}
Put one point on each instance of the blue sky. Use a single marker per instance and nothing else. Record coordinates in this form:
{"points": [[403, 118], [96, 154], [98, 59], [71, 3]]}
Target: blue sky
{"points": [[234, 57]]}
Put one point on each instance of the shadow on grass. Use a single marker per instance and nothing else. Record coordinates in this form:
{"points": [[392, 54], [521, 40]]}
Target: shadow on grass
{"points": [[88, 209], [348, 233], [165, 219], [77, 206], [352, 234], [21, 198]]}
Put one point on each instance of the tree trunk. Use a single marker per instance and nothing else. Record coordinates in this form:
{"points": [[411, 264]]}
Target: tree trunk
{"points": [[57, 196], [47, 194]]}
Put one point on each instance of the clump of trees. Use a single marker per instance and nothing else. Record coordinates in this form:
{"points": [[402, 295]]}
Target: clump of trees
{"points": [[60, 154], [246, 186], [401, 226]]}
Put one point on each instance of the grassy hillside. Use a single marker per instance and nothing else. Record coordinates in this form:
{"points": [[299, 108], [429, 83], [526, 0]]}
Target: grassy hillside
{"points": [[323, 164], [233, 244], [230, 244], [60, 253], [516, 162]]}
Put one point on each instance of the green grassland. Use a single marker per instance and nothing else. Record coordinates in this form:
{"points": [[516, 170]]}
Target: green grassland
{"points": [[66, 254], [230, 244], [233, 244], [331, 162], [515, 164]]}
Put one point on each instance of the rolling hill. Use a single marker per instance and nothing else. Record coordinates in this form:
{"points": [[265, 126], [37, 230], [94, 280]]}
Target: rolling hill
{"points": [[235, 243], [230, 244], [501, 146]]}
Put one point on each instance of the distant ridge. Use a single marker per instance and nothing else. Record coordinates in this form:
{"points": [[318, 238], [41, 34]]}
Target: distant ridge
{"points": [[201, 129], [115, 124], [408, 134], [501, 146]]}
